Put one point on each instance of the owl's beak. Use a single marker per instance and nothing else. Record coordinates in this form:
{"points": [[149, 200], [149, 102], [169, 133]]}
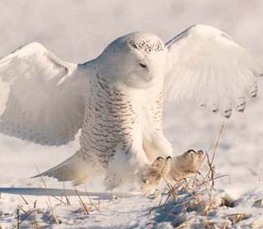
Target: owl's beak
{"points": [[151, 75]]}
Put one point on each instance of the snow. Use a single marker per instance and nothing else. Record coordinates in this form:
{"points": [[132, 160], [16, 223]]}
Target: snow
{"points": [[78, 31]]}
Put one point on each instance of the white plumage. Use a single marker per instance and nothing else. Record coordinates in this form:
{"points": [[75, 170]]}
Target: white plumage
{"points": [[116, 99]]}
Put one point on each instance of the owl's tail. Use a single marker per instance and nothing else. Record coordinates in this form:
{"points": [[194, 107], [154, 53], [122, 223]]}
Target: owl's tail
{"points": [[74, 169]]}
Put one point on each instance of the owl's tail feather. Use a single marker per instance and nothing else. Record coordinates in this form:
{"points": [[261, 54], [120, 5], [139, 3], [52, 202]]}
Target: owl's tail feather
{"points": [[74, 169]]}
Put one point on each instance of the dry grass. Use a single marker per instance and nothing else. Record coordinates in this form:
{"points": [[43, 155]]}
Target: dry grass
{"points": [[198, 194], [188, 195], [49, 204], [26, 214], [82, 204]]}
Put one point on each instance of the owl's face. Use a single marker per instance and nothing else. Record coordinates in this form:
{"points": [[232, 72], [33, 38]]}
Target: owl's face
{"points": [[136, 60]]}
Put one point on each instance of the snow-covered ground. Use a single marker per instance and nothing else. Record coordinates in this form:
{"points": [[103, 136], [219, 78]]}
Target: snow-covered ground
{"points": [[77, 31]]}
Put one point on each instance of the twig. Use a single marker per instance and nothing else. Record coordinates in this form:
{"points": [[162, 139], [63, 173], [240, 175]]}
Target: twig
{"points": [[48, 196], [96, 207], [24, 199], [217, 142], [17, 218], [28, 214], [65, 194], [20, 207], [82, 203]]}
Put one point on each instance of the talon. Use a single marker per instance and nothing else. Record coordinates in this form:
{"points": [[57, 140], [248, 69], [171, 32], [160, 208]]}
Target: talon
{"points": [[201, 154], [190, 150], [169, 158], [159, 158]]}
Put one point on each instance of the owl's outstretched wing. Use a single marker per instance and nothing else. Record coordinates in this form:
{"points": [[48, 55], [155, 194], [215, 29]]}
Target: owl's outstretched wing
{"points": [[206, 66], [41, 97]]}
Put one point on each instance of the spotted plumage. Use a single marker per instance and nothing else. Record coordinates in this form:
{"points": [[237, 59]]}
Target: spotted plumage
{"points": [[117, 101], [148, 46]]}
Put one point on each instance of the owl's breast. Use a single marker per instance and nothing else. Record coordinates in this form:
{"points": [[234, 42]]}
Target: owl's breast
{"points": [[109, 122]]}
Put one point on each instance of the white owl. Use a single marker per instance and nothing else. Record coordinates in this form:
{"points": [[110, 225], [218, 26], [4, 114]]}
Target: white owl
{"points": [[117, 100]]}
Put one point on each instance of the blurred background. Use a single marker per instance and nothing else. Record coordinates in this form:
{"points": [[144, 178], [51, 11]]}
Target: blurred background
{"points": [[77, 31]]}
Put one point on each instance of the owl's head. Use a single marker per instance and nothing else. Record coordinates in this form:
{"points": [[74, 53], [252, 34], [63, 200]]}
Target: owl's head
{"points": [[135, 60]]}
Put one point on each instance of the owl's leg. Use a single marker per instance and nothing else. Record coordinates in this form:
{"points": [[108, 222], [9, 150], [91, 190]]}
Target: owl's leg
{"points": [[156, 145], [154, 142], [125, 165]]}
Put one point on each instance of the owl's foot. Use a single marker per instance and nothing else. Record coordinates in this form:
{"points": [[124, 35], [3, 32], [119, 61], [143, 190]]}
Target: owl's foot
{"points": [[186, 165], [150, 178], [171, 168]]}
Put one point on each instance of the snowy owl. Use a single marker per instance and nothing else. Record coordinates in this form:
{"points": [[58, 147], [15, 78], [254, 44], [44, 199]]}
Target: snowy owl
{"points": [[117, 99]]}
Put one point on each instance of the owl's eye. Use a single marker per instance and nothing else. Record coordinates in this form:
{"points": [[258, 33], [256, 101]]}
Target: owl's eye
{"points": [[143, 65]]}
